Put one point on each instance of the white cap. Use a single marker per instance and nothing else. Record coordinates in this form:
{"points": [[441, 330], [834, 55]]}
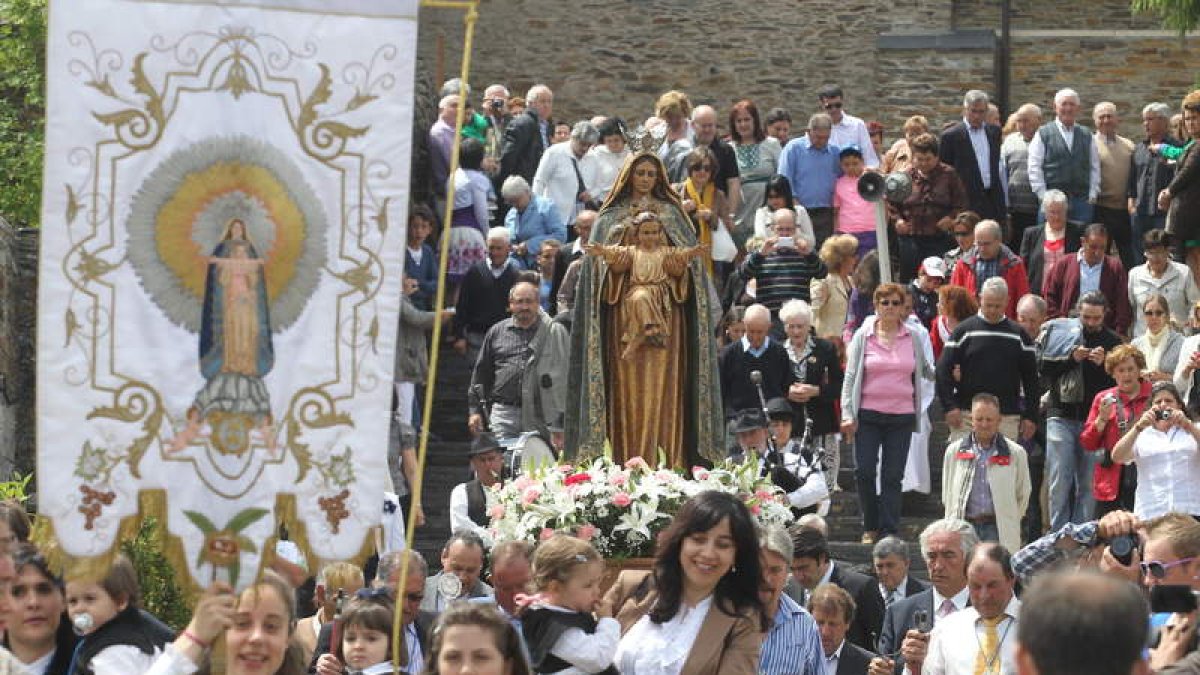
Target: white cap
{"points": [[934, 266]]}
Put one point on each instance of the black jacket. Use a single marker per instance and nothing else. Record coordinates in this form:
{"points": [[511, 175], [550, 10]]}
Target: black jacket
{"points": [[824, 369], [854, 660], [868, 617], [956, 150], [735, 365], [522, 148], [1034, 255], [131, 627], [482, 298]]}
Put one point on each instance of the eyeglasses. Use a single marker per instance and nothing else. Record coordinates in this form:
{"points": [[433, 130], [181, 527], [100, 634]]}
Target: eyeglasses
{"points": [[836, 105], [1154, 312], [960, 235], [890, 303], [414, 597], [1158, 569], [707, 168]]}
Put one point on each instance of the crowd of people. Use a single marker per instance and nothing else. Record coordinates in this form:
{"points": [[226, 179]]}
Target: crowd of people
{"points": [[1044, 306]]}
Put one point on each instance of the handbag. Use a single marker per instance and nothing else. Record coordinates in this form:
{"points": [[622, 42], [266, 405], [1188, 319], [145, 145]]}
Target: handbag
{"points": [[723, 248]]}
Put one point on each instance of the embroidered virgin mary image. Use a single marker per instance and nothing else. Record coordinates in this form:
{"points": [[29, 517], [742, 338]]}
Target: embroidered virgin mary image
{"points": [[236, 352]]}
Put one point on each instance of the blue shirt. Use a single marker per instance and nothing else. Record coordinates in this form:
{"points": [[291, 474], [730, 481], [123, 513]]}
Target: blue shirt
{"points": [[537, 223], [1089, 275], [756, 353], [811, 172], [793, 644]]}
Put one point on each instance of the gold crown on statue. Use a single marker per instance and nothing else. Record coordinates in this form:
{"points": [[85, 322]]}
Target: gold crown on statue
{"points": [[647, 139]]}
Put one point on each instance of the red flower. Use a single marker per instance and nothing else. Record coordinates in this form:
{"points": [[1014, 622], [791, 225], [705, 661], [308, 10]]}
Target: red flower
{"points": [[575, 479]]}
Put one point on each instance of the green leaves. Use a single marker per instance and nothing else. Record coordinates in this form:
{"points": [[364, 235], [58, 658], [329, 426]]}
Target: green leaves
{"points": [[1177, 15], [245, 519], [22, 109], [201, 521]]}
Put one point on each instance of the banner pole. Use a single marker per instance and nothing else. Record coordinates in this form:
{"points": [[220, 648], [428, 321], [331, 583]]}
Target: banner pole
{"points": [[399, 645]]}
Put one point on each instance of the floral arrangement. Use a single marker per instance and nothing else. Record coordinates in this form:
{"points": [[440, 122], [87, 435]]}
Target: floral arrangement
{"points": [[620, 509]]}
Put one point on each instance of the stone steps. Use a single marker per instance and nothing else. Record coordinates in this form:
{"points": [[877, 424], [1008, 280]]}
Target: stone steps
{"points": [[446, 466]]}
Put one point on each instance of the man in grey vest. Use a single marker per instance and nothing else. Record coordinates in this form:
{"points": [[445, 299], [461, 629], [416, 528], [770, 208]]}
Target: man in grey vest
{"points": [[1014, 174], [468, 501], [1063, 156]]}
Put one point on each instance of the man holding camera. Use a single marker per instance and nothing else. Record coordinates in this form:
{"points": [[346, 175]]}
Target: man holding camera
{"points": [[785, 265]]}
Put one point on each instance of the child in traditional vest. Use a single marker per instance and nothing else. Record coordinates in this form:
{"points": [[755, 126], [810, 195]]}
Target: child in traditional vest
{"points": [[560, 628], [366, 631], [118, 637]]}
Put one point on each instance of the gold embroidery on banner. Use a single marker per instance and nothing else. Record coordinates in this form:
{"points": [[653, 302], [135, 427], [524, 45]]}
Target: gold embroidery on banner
{"points": [[237, 62]]}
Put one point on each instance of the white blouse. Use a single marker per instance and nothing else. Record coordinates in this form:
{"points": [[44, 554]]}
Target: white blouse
{"points": [[661, 649], [1168, 473]]}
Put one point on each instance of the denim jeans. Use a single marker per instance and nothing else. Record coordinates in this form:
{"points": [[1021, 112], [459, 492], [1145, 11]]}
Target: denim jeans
{"points": [[988, 532], [1069, 471], [891, 435]]}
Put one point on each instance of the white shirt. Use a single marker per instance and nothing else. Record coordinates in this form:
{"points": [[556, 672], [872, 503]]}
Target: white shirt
{"points": [[955, 642], [587, 653], [392, 524], [600, 173], [1176, 284], [1168, 467], [979, 143], [853, 131], [1037, 155], [557, 181], [39, 666], [896, 595], [661, 649], [959, 601], [458, 511], [831, 661]]}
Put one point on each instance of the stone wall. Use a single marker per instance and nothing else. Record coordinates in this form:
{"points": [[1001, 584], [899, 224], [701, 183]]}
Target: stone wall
{"points": [[606, 57], [18, 333]]}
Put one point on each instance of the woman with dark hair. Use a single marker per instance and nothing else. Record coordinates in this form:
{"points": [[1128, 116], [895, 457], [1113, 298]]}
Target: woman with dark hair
{"points": [[1165, 444], [258, 625], [705, 203], [778, 195], [1162, 276], [475, 638], [1181, 199], [608, 157], [473, 196], [863, 281], [955, 304], [39, 633], [757, 158], [698, 612]]}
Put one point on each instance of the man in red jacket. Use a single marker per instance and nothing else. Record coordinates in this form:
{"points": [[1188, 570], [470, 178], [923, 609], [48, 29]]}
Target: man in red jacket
{"points": [[990, 258], [1089, 270]]}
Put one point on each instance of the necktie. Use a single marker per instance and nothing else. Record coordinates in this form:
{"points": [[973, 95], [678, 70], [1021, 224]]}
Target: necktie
{"points": [[988, 658], [891, 598], [946, 609]]}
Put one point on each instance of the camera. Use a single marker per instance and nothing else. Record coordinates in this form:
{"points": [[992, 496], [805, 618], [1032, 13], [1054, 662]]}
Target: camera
{"points": [[496, 104], [1162, 415], [1122, 547]]}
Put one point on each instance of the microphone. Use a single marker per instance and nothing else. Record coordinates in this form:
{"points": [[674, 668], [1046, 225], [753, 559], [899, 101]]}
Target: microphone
{"points": [[773, 457]]}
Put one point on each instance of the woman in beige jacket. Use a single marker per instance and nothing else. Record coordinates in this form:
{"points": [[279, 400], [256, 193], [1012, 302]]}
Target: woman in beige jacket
{"points": [[698, 612]]}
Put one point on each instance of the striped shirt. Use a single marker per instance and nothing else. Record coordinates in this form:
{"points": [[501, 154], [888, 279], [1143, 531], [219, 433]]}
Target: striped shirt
{"points": [[996, 358], [793, 645], [783, 275]]}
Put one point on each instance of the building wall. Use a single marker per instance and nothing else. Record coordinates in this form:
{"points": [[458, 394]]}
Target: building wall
{"points": [[615, 57]]}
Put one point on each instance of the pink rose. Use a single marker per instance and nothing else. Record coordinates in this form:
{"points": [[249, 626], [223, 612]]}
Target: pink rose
{"points": [[622, 499], [496, 512], [618, 479], [530, 495], [546, 534], [699, 473], [522, 482], [665, 476], [763, 495], [565, 468], [586, 532], [636, 463], [756, 509]]}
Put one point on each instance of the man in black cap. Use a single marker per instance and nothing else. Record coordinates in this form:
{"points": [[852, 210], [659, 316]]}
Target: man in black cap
{"points": [[803, 480], [468, 501], [749, 427]]}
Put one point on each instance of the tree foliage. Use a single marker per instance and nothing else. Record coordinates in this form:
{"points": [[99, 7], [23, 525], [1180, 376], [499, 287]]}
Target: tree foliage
{"points": [[1177, 15], [22, 108], [162, 596]]}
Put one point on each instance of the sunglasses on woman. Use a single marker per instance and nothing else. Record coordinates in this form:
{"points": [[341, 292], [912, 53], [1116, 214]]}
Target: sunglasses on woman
{"points": [[1158, 569], [707, 168]]}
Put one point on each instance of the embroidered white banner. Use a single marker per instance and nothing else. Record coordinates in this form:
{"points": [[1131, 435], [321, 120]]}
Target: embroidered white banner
{"points": [[225, 189]]}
